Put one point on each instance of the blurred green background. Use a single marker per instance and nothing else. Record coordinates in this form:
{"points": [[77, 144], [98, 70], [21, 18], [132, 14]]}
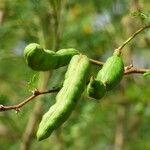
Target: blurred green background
{"points": [[120, 120]]}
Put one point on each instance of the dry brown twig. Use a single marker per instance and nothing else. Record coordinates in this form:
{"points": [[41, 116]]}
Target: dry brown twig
{"points": [[35, 93], [128, 70], [134, 70]]}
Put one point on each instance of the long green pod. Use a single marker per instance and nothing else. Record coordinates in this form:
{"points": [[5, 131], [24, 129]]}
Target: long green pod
{"points": [[40, 59], [67, 98]]}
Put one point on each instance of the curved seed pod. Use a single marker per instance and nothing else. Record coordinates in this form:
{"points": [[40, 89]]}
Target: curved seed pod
{"points": [[96, 89], [42, 60], [39, 59], [112, 72], [66, 99]]}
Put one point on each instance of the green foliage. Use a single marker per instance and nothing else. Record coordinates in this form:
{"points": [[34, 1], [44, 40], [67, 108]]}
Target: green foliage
{"points": [[145, 15], [84, 26], [32, 84], [4, 99]]}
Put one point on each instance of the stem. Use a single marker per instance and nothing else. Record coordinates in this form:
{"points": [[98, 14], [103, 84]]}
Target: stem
{"points": [[131, 37], [35, 94], [135, 70], [127, 70], [96, 62]]}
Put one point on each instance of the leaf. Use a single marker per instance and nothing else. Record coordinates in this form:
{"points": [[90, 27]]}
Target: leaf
{"points": [[32, 84], [142, 14]]}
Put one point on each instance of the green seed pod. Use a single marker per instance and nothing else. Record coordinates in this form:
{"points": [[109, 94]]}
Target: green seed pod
{"points": [[96, 89], [108, 77], [40, 59], [112, 72], [66, 99]]}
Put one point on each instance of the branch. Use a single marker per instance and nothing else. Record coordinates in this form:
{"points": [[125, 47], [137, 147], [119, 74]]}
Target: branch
{"points": [[127, 70], [35, 93], [96, 62], [131, 37], [135, 70]]}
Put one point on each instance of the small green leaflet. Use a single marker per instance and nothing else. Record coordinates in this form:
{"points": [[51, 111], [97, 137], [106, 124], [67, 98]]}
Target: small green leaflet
{"points": [[32, 84], [142, 14]]}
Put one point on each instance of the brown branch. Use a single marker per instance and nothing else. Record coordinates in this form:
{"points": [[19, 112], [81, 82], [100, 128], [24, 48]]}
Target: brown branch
{"points": [[96, 62], [35, 94], [36, 113], [128, 69], [135, 70]]}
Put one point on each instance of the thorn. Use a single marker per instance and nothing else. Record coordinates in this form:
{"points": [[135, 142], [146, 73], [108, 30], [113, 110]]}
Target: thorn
{"points": [[129, 67], [17, 110], [2, 107], [35, 92]]}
